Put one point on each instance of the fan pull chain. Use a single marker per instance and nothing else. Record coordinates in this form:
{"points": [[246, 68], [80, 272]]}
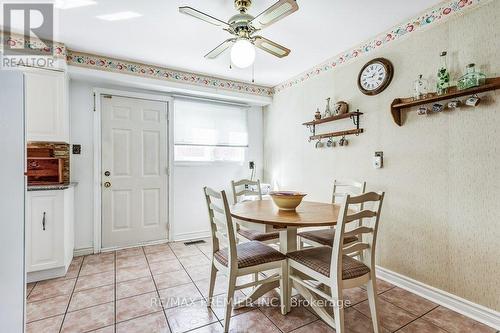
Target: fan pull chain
{"points": [[253, 72]]}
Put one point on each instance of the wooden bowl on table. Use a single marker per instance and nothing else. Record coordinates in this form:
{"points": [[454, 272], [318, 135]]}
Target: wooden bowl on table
{"points": [[287, 200]]}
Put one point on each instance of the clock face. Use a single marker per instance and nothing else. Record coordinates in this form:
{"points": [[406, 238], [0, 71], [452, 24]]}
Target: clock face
{"points": [[375, 76]]}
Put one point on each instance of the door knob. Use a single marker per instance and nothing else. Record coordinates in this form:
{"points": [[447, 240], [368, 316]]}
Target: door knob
{"points": [[107, 184], [107, 173]]}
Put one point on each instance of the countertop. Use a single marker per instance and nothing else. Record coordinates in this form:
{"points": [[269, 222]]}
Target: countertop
{"points": [[51, 187]]}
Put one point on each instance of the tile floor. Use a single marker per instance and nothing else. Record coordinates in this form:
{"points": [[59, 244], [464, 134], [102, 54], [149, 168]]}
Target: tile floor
{"points": [[121, 292]]}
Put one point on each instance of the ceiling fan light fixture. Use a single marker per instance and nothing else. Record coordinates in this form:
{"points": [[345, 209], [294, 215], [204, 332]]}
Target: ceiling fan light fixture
{"points": [[243, 53]]}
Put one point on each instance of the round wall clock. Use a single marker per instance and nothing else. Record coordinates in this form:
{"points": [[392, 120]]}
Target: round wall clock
{"points": [[375, 76]]}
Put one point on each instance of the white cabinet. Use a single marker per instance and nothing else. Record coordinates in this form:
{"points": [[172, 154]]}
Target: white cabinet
{"points": [[47, 114], [49, 233]]}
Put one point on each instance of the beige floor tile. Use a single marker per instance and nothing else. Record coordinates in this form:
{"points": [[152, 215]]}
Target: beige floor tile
{"points": [[421, 326], [193, 261], [46, 308], [95, 280], [297, 317], [89, 319], [49, 325], [356, 322], [160, 256], [131, 273], [454, 322], [136, 306], [157, 248], [131, 261], [171, 279], [185, 318], [382, 286], [252, 321], [219, 305], [96, 267], [179, 295], [354, 296], [317, 327], [107, 329], [29, 288], [131, 252], [220, 285], [51, 288], [155, 323], [165, 266], [391, 316], [410, 302], [186, 251], [92, 297], [198, 272], [212, 328], [101, 257], [135, 287]]}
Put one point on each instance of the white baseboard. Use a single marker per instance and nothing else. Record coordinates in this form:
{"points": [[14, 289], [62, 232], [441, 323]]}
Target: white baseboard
{"points": [[83, 252], [190, 236], [467, 308]]}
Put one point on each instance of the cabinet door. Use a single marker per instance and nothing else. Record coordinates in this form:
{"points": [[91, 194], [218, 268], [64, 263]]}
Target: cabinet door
{"points": [[45, 230], [47, 117]]}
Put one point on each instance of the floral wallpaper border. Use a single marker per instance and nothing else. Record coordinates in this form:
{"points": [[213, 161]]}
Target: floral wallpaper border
{"points": [[431, 17], [57, 50], [76, 58]]}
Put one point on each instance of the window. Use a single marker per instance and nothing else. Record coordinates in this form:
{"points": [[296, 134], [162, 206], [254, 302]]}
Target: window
{"points": [[209, 131]]}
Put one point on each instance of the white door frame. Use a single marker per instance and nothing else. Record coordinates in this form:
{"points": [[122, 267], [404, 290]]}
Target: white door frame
{"points": [[98, 92]]}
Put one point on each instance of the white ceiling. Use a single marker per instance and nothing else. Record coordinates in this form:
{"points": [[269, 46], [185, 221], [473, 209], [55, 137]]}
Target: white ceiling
{"points": [[162, 36]]}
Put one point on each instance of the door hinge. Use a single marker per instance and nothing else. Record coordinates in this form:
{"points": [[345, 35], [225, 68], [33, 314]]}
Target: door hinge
{"points": [[94, 102], [107, 96]]}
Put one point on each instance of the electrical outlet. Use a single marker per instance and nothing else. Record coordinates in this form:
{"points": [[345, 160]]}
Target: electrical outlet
{"points": [[251, 165], [77, 149]]}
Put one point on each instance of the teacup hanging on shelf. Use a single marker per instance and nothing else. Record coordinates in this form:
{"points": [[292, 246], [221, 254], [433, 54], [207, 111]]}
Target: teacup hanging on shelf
{"points": [[423, 110], [330, 143], [456, 103], [343, 141], [474, 100], [436, 107], [319, 144]]}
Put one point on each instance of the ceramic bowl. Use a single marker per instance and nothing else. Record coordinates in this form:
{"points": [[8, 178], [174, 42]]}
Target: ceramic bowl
{"points": [[287, 200]]}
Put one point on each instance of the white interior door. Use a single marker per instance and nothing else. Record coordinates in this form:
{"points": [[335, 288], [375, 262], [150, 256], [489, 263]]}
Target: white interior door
{"points": [[134, 171]]}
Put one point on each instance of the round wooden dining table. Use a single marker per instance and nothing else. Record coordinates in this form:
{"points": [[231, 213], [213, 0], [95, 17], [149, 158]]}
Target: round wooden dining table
{"points": [[265, 212], [307, 214]]}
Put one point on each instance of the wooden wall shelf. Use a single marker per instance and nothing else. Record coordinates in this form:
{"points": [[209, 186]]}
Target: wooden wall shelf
{"points": [[400, 104], [335, 134], [333, 118], [354, 116]]}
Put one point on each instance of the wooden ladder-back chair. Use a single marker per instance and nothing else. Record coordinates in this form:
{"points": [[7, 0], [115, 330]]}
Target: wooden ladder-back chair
{"points": [[324, 237], [246, 233], [234, 260], [334, 268]]}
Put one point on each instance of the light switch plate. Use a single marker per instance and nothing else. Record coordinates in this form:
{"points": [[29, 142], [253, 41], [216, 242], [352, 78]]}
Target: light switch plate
{"points": [[378, 160]]}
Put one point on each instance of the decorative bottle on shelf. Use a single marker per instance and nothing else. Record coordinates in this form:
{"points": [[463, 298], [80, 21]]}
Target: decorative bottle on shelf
{"points": [[317, 115], [471, 78], [420, 88], [443, 76], [328, 110]]}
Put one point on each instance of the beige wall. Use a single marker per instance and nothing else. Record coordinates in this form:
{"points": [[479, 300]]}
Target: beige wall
{"points": [[440, 221]]}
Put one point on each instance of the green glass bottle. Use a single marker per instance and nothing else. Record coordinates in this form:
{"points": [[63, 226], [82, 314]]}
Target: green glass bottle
{"points": [[471, 78], [443, 76]]}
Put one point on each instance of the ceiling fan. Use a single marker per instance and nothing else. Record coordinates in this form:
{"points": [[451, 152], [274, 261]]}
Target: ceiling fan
{"points": [[243, 26]]}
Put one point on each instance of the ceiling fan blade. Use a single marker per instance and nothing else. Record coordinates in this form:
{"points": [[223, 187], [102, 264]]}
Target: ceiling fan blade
{"points": [[276, 12], [220, 48], [271, 47], [202, 16]]}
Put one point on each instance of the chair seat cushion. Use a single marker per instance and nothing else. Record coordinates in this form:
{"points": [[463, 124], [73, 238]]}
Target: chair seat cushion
{"points": [[258, 236], [319, 258], [324, 236], [250, 254]]}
